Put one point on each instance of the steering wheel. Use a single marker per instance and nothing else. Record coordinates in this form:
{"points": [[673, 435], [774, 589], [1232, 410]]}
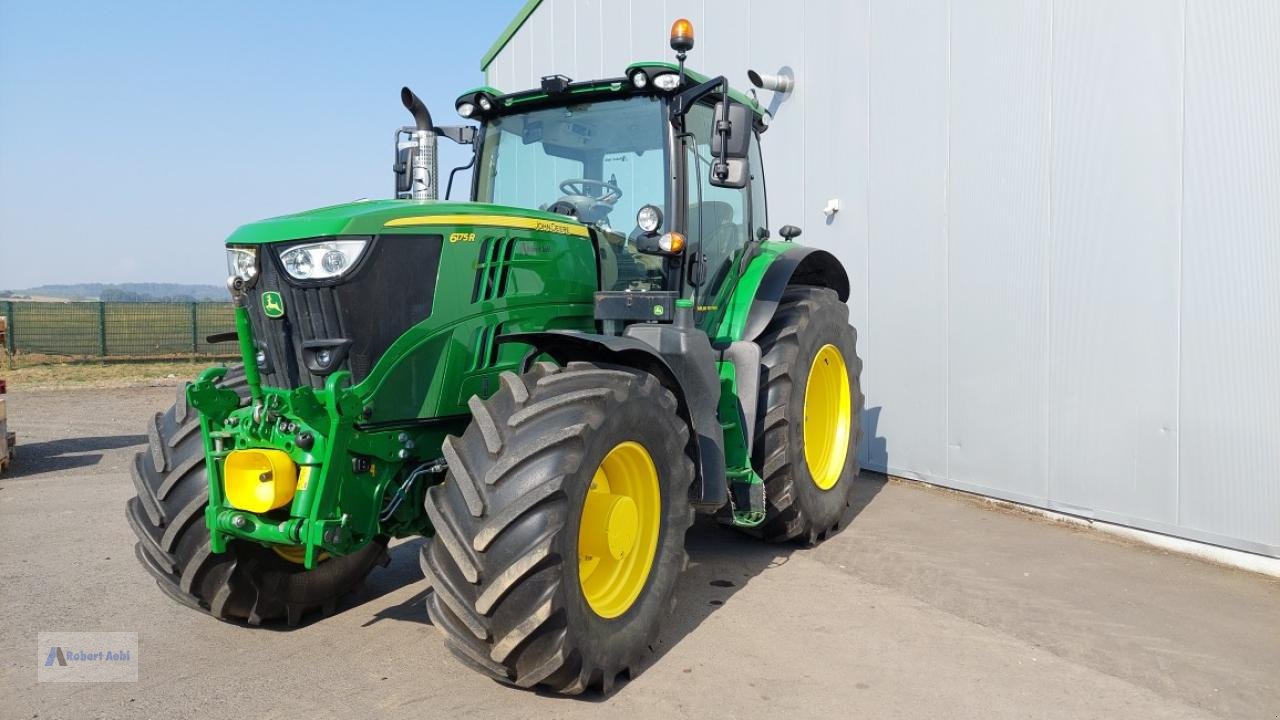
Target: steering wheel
{"points": [[579, 186]]}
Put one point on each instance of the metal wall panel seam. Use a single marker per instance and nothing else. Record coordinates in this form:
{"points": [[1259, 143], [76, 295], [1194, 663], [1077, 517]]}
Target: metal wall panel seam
{"points": [[1048, 264], [1182, 222], [946, 260], [871, 179]]}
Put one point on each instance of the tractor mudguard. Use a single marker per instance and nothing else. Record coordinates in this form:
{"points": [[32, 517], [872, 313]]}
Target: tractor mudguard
{"points": [[799, 265], [683, 365]]}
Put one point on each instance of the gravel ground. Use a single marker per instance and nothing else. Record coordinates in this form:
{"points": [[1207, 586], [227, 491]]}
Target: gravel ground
{"points": [[930, 605]]}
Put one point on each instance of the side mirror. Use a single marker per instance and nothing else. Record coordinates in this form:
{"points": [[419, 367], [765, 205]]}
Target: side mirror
{"points": [[734, 139], [404, 161], [734, 174], [730, 138]]}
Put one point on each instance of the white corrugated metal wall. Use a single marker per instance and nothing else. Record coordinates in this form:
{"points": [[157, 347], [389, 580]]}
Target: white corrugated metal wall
{"points": [[1061, 219]]}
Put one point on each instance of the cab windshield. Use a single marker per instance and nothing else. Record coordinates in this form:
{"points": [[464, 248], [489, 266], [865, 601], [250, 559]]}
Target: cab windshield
{"points": [[598, 162]]}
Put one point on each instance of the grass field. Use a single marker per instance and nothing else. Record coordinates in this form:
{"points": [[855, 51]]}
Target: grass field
{"points": [[51, 374]]}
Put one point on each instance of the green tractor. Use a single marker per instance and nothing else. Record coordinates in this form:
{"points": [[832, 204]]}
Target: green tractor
{"points": [[548, 382]]}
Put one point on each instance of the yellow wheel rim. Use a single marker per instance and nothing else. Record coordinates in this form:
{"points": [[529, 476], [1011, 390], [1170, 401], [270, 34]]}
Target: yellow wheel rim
{"points": [[828, 412], [297, 553], [618, 537]]}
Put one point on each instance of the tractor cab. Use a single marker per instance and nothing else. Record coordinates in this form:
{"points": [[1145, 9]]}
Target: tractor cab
{"points": [[662, 163]]}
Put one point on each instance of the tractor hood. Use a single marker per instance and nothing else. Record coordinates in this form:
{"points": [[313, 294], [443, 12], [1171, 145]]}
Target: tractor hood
{"points": [[374, 217]]}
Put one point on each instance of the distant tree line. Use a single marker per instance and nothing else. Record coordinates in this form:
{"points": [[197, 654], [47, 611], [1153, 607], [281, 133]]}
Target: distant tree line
{"points": [[118, 295], [122, 292]]}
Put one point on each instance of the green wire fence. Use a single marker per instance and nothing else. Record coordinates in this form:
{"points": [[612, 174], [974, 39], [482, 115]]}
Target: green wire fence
{"points": [[116, 329]]}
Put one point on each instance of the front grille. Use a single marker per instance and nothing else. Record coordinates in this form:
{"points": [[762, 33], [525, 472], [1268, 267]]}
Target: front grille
{"points": [[389, 291]]}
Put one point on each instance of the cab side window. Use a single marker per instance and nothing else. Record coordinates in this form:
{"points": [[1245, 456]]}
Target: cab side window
{"points": [[717, 221], [759, 208]]}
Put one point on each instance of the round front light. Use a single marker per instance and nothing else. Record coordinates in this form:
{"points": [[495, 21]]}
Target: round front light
{"points": [[667, 81], [466, 109], [639, 79], [333, 262], [245, 266], [485, 103], [242, 263], [649, 218], [297, 263]]}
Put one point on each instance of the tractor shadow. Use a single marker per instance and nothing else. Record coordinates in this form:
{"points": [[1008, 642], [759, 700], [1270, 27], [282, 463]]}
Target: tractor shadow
{"points": [[31, 459], [403, 570], [723, 561]]}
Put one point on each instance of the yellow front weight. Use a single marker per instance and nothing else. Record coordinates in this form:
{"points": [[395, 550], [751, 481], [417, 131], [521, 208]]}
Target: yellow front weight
{"points": [[259, 480]]}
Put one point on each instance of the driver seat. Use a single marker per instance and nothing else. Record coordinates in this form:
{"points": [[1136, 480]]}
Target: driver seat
{"points": [[717, 230]]}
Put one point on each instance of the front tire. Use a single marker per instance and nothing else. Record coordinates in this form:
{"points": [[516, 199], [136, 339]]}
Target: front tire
{"points": [[808, 432], [560, 527], [248, 583]]}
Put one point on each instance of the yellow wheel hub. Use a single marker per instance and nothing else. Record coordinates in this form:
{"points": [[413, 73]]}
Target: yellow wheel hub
{"points": [[828, 415], [618, 536]]}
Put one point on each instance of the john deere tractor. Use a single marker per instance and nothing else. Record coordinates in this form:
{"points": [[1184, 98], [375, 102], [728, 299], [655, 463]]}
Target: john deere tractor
{"points": [[548, 381]]}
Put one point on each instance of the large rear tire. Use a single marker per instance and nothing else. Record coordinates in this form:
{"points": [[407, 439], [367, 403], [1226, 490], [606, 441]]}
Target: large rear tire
{"points": [[808, 431], [249, 582], [560, 527]]}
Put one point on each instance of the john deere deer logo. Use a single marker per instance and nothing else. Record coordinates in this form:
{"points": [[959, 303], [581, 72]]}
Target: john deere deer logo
{"points": [[272, 304]]}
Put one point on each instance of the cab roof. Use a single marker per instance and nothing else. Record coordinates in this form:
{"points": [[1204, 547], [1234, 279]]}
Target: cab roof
{"points": [[619, 86]]}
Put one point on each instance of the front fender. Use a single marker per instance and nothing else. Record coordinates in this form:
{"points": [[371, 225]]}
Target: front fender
{"points": [[697, 409]]}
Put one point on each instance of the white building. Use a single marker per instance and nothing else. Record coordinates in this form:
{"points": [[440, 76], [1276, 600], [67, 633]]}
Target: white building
{"points": [[1061, 219]]}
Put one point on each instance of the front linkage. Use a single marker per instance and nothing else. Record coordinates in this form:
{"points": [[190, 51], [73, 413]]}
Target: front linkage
{"points": [[295, 470]]}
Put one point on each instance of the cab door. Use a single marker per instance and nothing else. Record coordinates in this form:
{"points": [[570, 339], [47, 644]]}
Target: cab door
{"points": [[719, 221]]}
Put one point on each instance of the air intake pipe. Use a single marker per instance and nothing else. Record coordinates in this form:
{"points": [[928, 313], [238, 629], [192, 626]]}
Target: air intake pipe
{"points": [[420, 145]]}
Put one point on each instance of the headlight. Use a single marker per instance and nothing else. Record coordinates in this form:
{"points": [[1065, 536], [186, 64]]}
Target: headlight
{"points": [[667, 81], [639, 79], [485, 103], [242, 263], [466, 109], [649, 218], [318, 261]]}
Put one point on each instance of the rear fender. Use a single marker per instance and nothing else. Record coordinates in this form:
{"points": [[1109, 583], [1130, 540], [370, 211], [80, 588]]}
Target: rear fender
{"points": [[797, 265], [766, 272]]}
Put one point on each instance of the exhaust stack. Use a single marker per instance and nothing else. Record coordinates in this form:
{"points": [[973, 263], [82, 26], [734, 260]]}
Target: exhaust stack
{"points": [[782, 82], [416, 165]]}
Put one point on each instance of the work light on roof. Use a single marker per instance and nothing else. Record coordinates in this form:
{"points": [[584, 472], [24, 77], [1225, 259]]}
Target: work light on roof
{"points": [[667, 81]]}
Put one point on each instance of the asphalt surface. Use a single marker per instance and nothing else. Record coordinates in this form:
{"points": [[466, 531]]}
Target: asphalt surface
{"points": [[932, 604]]}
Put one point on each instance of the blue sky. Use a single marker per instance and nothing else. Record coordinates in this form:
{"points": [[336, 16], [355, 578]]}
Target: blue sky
{"points": [[134, 136]]}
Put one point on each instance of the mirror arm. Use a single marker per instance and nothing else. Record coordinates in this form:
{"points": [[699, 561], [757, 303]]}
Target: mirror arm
{"points": [[682, 102], [721, 168], [460, 134]]}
